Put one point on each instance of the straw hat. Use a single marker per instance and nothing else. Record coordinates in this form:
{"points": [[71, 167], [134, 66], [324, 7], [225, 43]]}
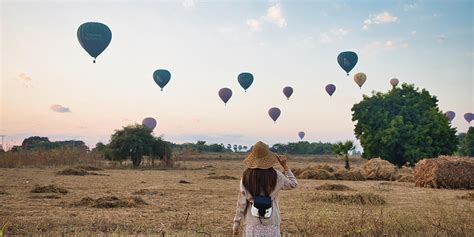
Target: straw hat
{"points": [[260, 157]]}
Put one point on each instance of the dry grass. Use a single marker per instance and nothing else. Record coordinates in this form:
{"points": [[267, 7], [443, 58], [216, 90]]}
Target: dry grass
{"points": [[48, 196], [408, 211], [347, 199], [467, 196], [333, 187], [145, 192], [49, 189], [55, 158]]}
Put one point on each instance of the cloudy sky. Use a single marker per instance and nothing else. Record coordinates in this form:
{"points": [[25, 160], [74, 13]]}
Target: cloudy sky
{"points": [[50, 87]]}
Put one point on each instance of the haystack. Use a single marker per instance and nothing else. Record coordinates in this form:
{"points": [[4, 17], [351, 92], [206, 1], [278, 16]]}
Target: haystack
{"points": [[354, 174], [445, 172], [405, 178], [316, 174], [378, 169], [325, 167]]}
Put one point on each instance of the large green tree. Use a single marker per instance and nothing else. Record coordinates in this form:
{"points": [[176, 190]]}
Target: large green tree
{"points": [[135, 141], [403, 125], [468, 143]]}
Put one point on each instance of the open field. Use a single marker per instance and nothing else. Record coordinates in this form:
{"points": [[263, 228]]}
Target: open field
{"points": [[205, 207]]}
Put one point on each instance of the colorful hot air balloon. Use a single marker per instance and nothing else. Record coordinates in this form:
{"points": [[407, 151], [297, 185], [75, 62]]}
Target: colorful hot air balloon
{"points": [[347, 60], [149, 123], [301, 135], [450, 115], [394, 82], [360, 79], [225, 94], [274, 113], [245, 80], [288, 91], [330, 89], [161, 77], [469, 117], [94, 37]]}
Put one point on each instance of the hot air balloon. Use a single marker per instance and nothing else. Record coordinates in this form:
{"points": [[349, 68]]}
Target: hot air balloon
{"points": [[225, 94], [330, 89], [161, 77], [149, 123], [288, 91], [469, 117], [394, 82], [450, 115], [245, 80], [301, 135], [360, 79], [94, 37], [347, 60], [274, 113]]}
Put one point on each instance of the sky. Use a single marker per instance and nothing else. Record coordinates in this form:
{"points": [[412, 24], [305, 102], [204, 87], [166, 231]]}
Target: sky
{"points": [[50, 87]]}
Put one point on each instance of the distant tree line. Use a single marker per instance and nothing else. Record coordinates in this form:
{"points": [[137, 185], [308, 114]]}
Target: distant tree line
{"points": [[304, 148], [37, 143]]}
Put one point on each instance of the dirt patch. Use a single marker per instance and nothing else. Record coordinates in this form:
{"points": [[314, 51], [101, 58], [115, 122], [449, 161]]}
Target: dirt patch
{"points": [[77, 172], [467, 196], [88, 168], [49, 196], [110, 202], [184, 182], [49, 189], [145, 192], [333, 187], [222, 177], [351, 199]]}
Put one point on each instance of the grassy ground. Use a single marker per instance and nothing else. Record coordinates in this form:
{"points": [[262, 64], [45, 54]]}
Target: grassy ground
{"points": [[205, 207]]}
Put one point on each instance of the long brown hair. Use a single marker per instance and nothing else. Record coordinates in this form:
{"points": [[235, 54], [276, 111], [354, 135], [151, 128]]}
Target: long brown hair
{"points": [[259, 181]]}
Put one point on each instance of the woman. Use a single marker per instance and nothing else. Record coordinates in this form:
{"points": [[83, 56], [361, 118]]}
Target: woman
{"points": [[261, 180]]}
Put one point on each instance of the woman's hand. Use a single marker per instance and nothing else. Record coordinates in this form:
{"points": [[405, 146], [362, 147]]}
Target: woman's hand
{"points": [[283, 161]]}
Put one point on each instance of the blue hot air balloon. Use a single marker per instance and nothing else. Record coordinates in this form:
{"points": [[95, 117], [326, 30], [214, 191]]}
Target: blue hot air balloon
{"points": [[245, 80], [347, 60], [94, 37], [161, 77]]}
